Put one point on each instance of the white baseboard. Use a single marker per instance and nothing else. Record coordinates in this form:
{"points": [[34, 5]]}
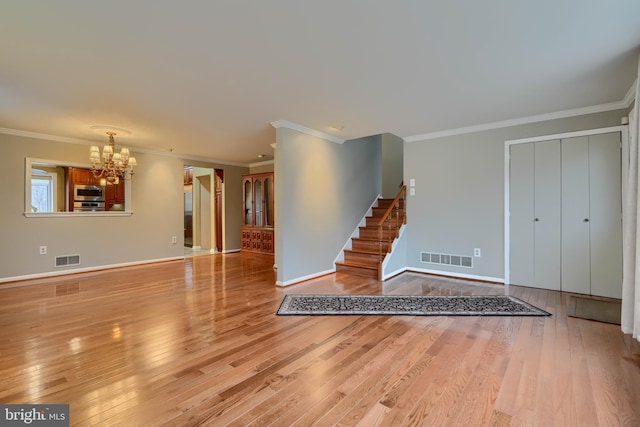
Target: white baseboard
{"points": [[303, 278], [85, 269], [393, 273], [458, 275]]}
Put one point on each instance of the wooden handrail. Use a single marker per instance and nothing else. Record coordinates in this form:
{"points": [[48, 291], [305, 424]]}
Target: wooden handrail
{"points": [[402, 193]]}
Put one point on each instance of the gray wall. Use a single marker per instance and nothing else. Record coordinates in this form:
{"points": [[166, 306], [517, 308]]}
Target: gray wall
{"points": [[146, 235], [157, 193], [392, 164], [459, 201], [322, 191]]}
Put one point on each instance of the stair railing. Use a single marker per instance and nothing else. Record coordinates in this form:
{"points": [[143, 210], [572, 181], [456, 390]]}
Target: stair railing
{"points": [[397, 211]]}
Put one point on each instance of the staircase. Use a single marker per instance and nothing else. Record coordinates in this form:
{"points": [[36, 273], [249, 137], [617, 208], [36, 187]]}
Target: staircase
{"points": [[375, 239]]}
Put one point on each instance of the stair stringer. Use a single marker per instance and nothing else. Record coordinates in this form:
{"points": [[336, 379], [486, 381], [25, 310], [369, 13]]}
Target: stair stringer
{"points": [[356, 231], [386, 274]]}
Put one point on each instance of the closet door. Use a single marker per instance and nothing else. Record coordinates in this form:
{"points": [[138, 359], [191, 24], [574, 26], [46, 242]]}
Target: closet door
{"points": [[535, 214], [575, 216], [605, 215], [521, 214], [547, 201]]}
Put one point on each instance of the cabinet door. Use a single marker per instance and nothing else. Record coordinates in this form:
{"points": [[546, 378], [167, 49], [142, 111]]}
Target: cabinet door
{"points": [[267, 241], [268, 201], [258, 202], [575, 215], [256, 240], [247, 186]]}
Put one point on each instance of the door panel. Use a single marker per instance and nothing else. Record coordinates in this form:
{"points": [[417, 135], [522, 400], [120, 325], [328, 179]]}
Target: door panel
{"points": [[605, 215], [575, 215], [547, 195], [521, 214]]}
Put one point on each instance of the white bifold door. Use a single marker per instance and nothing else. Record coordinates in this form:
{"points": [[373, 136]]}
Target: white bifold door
{"points": [[565, 218]]}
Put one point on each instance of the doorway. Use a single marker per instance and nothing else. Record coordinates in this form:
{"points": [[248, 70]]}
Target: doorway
{"points": [[203, 210]]}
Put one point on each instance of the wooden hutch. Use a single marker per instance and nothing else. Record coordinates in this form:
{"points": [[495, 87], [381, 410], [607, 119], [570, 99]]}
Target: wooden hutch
{"points": [[257, 233]]}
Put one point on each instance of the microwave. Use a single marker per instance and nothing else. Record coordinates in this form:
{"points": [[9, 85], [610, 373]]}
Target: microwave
{"points": [[90, 193]]}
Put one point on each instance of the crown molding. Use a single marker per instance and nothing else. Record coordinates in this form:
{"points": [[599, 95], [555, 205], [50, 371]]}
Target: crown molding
{"points": [[36, 135], [521, 121], [56, 138], [265, 163], [294, 126], [631, 93]]}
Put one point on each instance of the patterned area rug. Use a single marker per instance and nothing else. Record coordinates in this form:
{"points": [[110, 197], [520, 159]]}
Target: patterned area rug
{"points": [[417, 305]]}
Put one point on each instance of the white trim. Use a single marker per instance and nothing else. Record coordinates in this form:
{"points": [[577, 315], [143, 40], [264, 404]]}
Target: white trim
{"points": [[631, 94], [458, 275], [76, 214], [36, 135], [356, 231], [507, 157], [308, 277], [566, 135], [81, 270], [47, 137], [264, 163], [394, 273], [524, 120], [290, 125], [507, 212], [230, 251], [386, 259]]}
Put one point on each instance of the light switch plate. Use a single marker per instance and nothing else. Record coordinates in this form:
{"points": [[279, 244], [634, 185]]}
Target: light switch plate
{"points": [[412, 191], [412, 182]]}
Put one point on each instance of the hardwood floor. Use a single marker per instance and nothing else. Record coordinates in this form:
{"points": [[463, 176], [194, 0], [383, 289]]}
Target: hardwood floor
{"points": [[198, 343]]}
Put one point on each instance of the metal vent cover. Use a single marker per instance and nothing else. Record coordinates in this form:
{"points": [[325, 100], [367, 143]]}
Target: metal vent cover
{"points": [[67, 260], [446, 259]]}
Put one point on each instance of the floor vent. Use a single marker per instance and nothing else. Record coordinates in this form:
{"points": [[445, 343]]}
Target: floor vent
{"points": [[67, 260], [447, 259]]}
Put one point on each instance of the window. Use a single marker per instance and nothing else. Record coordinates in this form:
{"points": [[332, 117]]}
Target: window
{"points": [[43, 196]]}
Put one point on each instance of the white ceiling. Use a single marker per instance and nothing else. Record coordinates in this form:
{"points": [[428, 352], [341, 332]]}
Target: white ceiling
{"points": [[206, 78]]}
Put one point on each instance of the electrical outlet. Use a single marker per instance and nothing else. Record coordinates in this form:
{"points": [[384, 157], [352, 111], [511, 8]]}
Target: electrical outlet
{"points": [[174, 240], [412, 182], [412, 191], [476, 252], [43, 250]]}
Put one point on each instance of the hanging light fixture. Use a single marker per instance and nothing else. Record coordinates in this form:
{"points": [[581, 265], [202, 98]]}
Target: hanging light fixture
{"points": [[111, 166]]}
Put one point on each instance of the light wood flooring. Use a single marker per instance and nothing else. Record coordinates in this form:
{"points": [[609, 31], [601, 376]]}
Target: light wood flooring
{"points": [[197, 342]]}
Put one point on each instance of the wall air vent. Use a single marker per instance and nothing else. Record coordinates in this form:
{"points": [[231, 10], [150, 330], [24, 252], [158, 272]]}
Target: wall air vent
{"points": [[67, 260], [446, 259]]}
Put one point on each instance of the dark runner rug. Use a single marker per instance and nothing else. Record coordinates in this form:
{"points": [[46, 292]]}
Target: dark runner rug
{"points": [[417, 305]]}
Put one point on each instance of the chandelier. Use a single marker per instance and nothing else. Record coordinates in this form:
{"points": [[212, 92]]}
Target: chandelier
{"points": [[110, 167]]}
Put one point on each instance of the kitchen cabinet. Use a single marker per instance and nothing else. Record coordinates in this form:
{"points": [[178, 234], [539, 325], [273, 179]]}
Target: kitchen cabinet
{"points": [[82, 176], [114, 195], [188, 176], [257, 233], [77, 176]]}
